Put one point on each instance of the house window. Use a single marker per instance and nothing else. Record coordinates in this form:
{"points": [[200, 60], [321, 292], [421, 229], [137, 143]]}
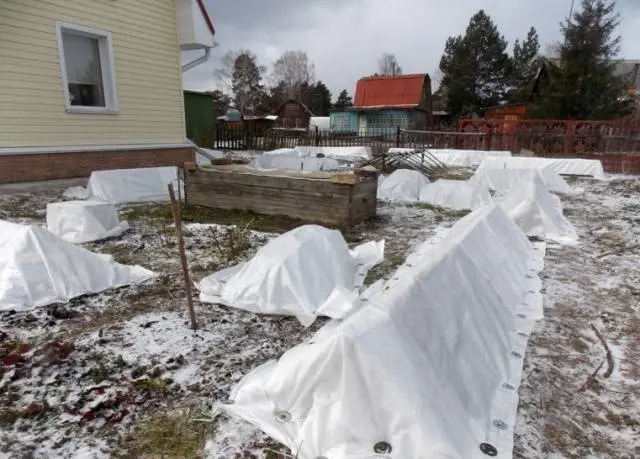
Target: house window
{"points": [[86, 62]]}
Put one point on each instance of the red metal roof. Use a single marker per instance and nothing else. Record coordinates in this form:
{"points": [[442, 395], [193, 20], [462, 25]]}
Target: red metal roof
{"points": [[390, 91], [205, 15]]}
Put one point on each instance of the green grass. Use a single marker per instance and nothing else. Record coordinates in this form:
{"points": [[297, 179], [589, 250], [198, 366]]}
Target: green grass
{"points": [[170, 435], [199, 214]]}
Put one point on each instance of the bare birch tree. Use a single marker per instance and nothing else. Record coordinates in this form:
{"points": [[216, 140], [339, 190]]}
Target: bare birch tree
{"points": [[295, 71], [388, 65]]}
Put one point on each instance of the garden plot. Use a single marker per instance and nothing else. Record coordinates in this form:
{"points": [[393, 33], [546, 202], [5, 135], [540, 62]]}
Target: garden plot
{"points": [[121, 372]]}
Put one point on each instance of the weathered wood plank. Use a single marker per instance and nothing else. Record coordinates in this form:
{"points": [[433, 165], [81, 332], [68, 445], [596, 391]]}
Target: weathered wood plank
{"points": [[312, 199]]}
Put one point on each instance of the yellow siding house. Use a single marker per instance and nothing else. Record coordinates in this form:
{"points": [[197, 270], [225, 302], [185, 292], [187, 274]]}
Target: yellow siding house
{"points": [[94, 84]]}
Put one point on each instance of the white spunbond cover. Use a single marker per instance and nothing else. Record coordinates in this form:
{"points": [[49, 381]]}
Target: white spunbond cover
{"points": [[562, 166], [430, 368], [119, 186], [456, 158], [455, 194], [403, 185], [504, 179], [538, 212], [39, 268], [307, 272], [202, 160], [292, 161], [347, 154], [84, 221]]}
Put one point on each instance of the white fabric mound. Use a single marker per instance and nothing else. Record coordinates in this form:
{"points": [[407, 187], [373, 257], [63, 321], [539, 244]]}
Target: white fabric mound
{"points": [[456, 158], [119, 186], [504, 179], [291, 160], [538, 212], [562, 166], [430, 368], [346, 154], [84, 221], [455, 194], [307, 272], [39, 268], [403, 185]]}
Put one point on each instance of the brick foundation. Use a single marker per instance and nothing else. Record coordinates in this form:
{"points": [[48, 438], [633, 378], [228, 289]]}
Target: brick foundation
{"points": [[50, 166]]}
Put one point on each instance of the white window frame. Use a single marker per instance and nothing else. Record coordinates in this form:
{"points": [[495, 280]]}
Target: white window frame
{"points": [[107, 67]]}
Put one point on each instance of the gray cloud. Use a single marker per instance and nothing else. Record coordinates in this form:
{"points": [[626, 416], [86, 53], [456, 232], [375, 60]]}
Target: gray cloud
{"points": [[345, 38]]}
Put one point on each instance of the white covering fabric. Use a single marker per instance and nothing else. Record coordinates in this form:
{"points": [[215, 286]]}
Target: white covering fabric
{"points": [[403, 185], [562, 166], [202, 160], [504, 179], [84, 221], [456, 158], [119, 186], [39, 268], [306, 272], [455, 194], [291, 160], [346, 154], [538, 212], [323, 123], [430, 366]]}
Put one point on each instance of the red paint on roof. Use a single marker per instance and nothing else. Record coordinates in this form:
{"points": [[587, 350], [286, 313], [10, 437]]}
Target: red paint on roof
{"points": [[205, 15], [390, 91]]}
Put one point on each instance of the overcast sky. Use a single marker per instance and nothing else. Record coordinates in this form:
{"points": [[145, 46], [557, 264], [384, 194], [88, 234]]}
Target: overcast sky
{"points": [[344, 38]]}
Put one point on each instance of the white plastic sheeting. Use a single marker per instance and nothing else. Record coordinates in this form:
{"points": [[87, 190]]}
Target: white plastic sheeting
{"points": [[346, 154], [457, 158], [307, 272], [202, 160], [538, 212], [403, 185], [39, 268], [504, 179], [292, 160], [562, 166], [455, 194], [119, 186], [84, 221], [429, 369]]}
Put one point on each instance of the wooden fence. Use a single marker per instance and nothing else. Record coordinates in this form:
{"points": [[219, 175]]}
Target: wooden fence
{"points": [[548, 138]]}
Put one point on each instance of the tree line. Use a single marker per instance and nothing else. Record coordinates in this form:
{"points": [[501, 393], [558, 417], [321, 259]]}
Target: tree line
{"points": [[251, 90], [579, 81]]}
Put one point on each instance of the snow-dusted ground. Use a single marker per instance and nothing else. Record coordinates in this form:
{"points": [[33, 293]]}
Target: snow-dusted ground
{"points": [[92, 377], [101, 375]]}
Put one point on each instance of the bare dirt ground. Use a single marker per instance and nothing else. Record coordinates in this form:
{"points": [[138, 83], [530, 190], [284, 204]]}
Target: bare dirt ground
{"points": [[120, 374], [580, 394]]}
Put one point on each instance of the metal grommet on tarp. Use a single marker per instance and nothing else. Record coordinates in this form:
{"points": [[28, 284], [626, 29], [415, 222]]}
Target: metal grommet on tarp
{"points": [[382, 447], [488, 449], [282, 416], [516, 354], [522, 316], [500, 424], [522, 334], [508, 386]]}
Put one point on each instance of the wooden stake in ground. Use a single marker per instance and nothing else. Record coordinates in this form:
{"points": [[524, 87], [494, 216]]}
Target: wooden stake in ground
{"points": [[175, 210]]}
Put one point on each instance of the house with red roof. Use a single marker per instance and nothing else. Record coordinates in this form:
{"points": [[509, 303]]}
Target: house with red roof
{"points": [[384, 103]]}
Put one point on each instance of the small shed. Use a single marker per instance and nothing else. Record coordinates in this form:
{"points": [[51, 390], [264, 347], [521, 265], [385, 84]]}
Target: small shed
{"points": [[293, 114]]}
